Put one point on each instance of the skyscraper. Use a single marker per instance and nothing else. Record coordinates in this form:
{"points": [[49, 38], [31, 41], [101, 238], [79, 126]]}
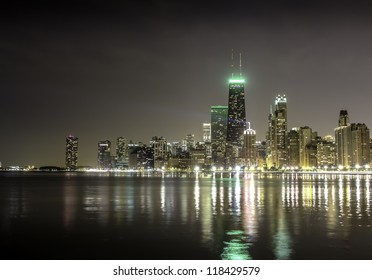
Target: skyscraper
{"points": [[207, 140], [71, 152], [360, 144], [104, 154], [159, 146], [249, 154], [121, 153], [236, 120], [343, 140], [218, 133], [277, 134]]}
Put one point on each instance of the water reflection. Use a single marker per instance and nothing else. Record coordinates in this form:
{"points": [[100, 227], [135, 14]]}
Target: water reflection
{"points": [[248, 217]]}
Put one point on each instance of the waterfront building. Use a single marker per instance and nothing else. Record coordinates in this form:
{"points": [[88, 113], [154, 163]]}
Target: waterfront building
{"points": [[326, 152], [360, 139], [249, 151], [159, 147], [104, 154], [236, 120], [188, 143], [71, 152], [218, 133], [294, 148], [121, 159], [207, 140], [343, 140], [277, 134], [306, 147]]}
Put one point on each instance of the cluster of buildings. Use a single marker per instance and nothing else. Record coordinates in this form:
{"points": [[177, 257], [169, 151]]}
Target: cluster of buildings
{"points": [[229, 142]]}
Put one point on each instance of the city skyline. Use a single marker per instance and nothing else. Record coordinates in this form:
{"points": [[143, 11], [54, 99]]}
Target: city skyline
{"points": [[100, 75]]}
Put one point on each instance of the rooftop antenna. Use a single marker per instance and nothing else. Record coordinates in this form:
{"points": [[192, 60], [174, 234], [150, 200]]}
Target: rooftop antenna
{"points": [[240, 64], [249, 125], [232, 63]]}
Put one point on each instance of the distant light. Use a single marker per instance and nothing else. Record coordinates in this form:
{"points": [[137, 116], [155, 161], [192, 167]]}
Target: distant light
{"points": [[240, 81], [237, 168], [214, 168], [196, 168]]}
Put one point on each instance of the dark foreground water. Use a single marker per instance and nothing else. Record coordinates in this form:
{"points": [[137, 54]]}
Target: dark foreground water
{"points": [[92, 216]]}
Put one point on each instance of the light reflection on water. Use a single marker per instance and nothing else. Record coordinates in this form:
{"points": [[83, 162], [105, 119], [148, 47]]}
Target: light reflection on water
{"points": [[249, 217]]}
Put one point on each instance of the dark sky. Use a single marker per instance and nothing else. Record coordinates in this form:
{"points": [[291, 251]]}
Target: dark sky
{"points": [[137, 69]]}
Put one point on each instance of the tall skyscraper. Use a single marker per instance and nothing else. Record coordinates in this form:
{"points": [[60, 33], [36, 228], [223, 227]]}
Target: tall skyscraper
{"points": [[104, 154], [277, 134], [218, 133], [236, 120], [71, 152], [360, 139], [343, 140], [294, 148], [207, 140], [249, 154], [121, 153], [159, 146]]}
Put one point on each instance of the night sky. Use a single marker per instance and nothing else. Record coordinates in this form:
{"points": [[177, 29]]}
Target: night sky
{"points": [[99, 70]]}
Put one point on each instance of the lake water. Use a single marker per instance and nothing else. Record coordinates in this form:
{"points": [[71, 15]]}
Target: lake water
{"points": [[107, 216]]}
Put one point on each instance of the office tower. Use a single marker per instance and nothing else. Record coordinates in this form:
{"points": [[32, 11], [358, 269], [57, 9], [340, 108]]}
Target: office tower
{"points": [[207, 132], [104, 154], [360, 144], [121, 158], [249, 151], [343, 140], [207, 140], [71, 152], [305, 140], [159, 146], [189, 142], [218, 133], [294, 148], [277, 134], [326, 152]]}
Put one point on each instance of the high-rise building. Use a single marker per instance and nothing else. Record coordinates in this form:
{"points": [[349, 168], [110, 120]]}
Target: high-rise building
{"points": [[294, 148], [326, 152], [159, 146], [360, 139], [277, 134], [218, 133], [305, 141], [121, 158], [188, 143], [236, 121], [249, 151], [71, 152], [207, 132], [104, 154], [207, 140], [343, 140]]}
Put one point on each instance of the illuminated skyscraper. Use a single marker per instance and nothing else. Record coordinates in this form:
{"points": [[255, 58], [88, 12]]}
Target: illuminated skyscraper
{"points": [[104, 154], [236, 118], [218, 133], [71, 152], [343, 140], [236, 121], [121, 153], [159, 146], [360, 144], [249, 154], [207, 139], [277, 134]]}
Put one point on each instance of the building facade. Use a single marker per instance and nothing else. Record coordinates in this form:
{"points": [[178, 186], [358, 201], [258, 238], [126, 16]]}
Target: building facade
{"points": [[71, 152], [218, 134], [104, 154]]}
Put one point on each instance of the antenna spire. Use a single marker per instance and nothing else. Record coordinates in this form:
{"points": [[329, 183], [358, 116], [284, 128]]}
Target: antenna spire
{"points": [[232, 63], [240, 64]]}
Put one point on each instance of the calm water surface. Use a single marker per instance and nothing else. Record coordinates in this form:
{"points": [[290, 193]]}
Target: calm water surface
{"points": [[93, 216]]}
